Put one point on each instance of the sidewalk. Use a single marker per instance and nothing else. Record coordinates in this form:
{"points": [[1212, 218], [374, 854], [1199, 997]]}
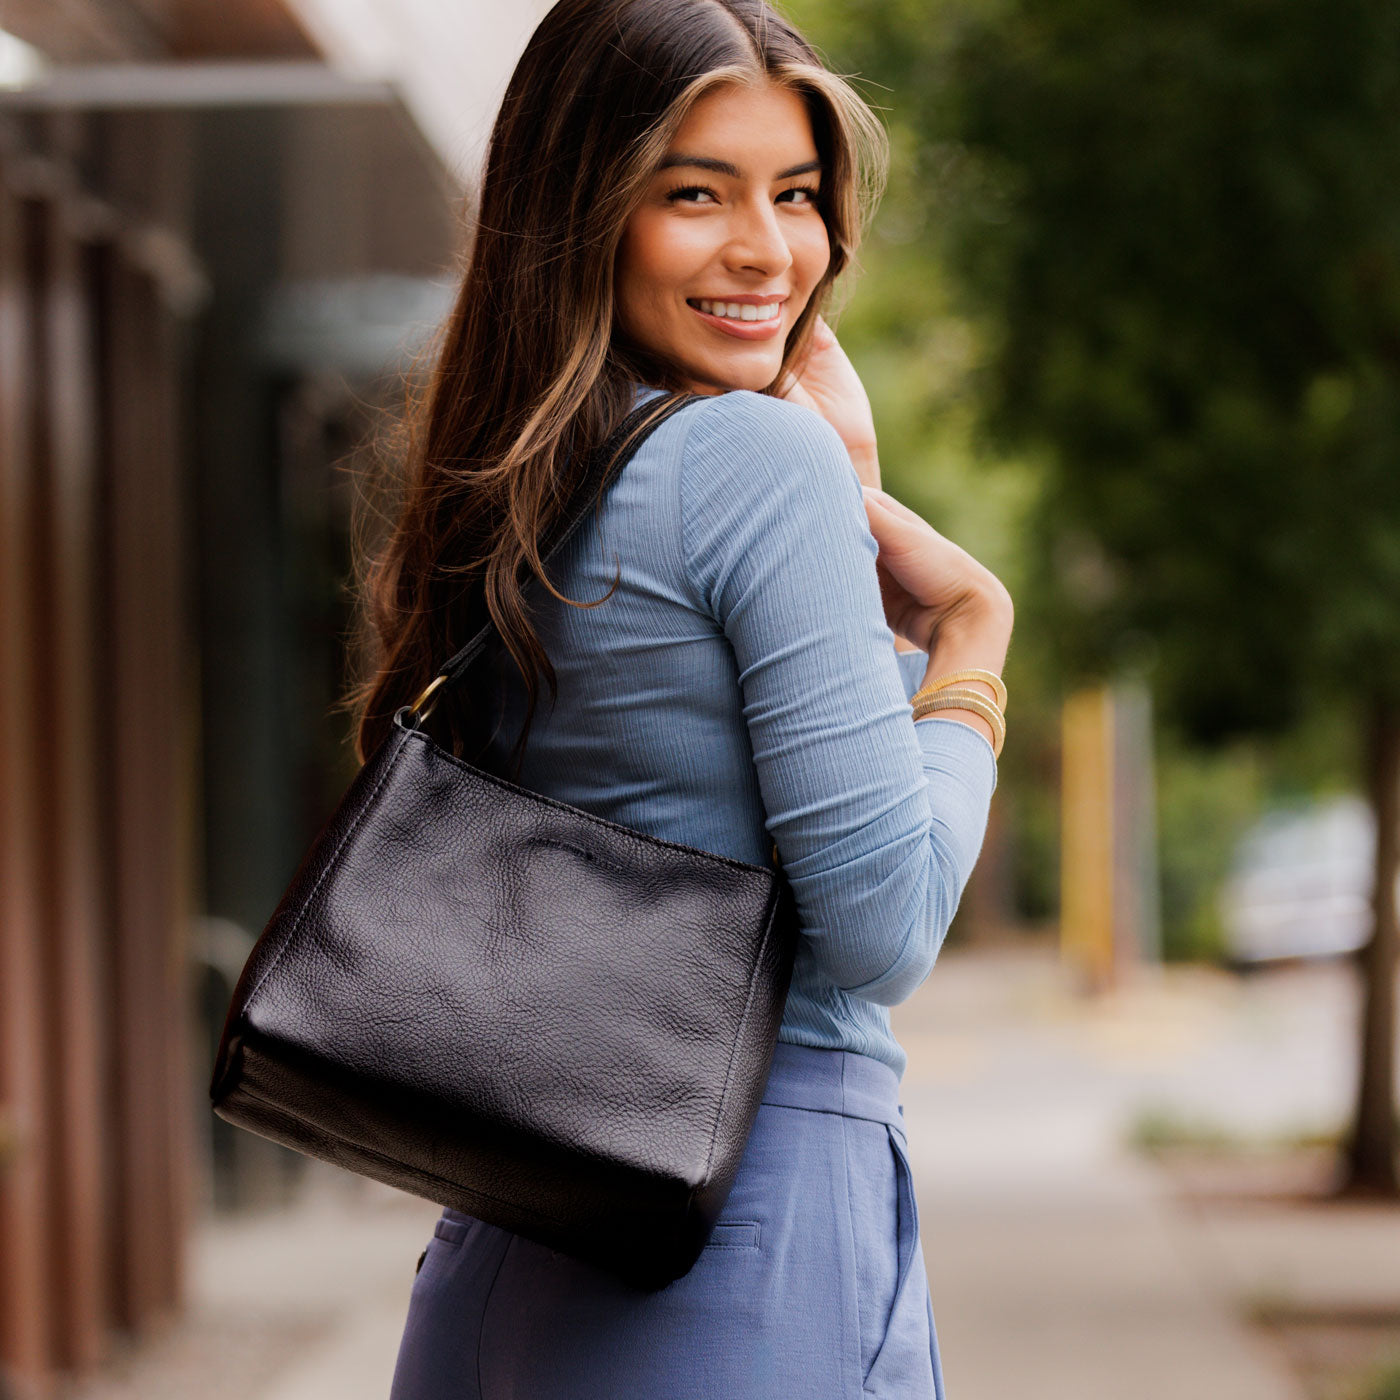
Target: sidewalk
{"points": [[1062, 1264], [305, 1303]]}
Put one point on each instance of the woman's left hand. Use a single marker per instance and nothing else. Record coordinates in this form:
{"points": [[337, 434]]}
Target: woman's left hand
{"points": [[826, 382]]}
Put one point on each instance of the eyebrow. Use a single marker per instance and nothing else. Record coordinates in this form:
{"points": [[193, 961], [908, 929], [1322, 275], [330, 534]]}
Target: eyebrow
{"points": [[723, 167]]}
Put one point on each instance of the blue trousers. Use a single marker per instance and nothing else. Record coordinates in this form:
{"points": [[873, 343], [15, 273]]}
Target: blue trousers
{"points": [[811, 1286]]}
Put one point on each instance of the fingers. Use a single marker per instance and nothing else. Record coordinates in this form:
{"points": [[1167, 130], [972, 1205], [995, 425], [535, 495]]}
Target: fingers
{"points": [[792, 389], [791, 378], [898, 509]]}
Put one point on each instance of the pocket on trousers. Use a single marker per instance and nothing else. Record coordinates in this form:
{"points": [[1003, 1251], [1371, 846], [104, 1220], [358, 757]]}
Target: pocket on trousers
{"points": [[452, 1231], [449, 1232], [734, 1234], [904, 1356], [873, 1199]]}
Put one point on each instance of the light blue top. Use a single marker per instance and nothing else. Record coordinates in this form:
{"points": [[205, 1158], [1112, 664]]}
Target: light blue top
{"points": [[742, 681]]}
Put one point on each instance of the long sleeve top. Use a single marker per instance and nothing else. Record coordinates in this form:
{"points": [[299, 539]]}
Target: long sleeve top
{"points": [[741, 688]]}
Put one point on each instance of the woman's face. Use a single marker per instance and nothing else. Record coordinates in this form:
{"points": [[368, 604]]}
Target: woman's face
{"points": [[719, 259]]}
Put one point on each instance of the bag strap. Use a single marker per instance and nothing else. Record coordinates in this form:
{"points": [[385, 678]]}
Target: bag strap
{"points": [[614, 455]]}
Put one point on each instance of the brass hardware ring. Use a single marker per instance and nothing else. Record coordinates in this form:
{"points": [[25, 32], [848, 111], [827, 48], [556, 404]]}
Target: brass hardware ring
{"points": [[419, 713]]}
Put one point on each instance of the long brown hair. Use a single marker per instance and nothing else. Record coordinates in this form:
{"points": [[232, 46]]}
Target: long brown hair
{"points": [[531, 371]]}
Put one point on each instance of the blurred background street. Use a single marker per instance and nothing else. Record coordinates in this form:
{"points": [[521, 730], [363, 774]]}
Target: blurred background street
{"points": [[1066, 1253]]}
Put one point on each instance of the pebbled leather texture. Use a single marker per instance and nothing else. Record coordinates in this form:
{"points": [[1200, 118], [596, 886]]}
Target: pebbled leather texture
{"points": [[508, 1005]]}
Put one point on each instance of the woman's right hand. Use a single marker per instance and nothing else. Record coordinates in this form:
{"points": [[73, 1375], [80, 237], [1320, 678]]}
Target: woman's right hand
{"points": [[929, 585]]}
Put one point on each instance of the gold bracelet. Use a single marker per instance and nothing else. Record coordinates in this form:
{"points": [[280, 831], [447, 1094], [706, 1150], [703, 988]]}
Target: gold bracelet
{"points": [[922, 704], [976, 705], [967, 700], [973, 673]]}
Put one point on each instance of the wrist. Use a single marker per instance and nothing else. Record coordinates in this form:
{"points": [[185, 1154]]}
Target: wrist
{"points": [[969, 649], [979, 622]]}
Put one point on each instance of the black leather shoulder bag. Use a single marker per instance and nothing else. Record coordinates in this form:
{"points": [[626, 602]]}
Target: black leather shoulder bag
{"points": [[510, 1006]]}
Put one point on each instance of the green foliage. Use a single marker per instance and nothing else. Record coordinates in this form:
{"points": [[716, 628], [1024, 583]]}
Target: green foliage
{"points": [[1157, 1129], [1208, 798], [1184, 224], [1383, 1383], [1034, 821], [1205, 803]]}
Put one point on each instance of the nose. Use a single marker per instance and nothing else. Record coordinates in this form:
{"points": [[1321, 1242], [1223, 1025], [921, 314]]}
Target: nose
{"points": [[757, 243]]}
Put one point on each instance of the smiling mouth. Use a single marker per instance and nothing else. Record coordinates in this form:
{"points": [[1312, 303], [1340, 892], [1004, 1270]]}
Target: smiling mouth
{"points": [[738, 310]]}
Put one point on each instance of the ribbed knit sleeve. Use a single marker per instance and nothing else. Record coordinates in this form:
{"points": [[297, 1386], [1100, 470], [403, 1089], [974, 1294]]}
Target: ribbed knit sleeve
{"points": [[912, 666], [878, 820]]}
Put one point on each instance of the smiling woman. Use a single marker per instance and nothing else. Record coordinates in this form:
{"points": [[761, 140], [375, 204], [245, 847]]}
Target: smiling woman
{"points": [[671, 190], [721, 257]]}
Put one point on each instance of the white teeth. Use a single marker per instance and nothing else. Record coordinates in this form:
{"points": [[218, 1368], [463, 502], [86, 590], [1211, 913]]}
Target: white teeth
{"points": [[741, 311]]}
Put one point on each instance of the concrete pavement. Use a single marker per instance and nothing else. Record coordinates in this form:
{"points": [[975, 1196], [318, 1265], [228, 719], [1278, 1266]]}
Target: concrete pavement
{"points": [[1059, 1261], [1062, 1264]]}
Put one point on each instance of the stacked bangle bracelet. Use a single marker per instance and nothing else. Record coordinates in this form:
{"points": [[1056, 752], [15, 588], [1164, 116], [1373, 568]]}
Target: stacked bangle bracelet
{"points": [[942, 693]]}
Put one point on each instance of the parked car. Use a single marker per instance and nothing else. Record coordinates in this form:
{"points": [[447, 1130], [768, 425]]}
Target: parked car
{"points": [[1300, 884]]}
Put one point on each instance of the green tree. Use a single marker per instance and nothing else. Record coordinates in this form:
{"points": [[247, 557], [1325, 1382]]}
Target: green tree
{"points": [[1178, 228]]}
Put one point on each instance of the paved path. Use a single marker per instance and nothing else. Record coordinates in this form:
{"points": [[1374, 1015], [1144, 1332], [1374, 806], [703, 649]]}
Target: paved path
{"points": [[1060, 1263]]}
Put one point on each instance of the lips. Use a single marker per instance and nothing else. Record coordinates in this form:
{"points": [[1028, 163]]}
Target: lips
{"points": [[757, 298], [738, 328]]}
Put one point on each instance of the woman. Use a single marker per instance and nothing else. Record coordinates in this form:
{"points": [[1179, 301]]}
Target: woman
{"points": [[672, 188]]}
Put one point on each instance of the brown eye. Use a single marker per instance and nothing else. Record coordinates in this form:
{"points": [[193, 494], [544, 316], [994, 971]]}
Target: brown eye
{"points": [[684, 194]]}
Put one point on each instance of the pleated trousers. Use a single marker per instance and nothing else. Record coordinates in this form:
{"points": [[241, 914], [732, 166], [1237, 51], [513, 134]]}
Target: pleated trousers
{"points": [[812, 1285]]}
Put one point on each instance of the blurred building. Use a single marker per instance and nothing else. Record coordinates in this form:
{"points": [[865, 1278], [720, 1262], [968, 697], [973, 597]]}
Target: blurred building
{"points": [[222, 228]]}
